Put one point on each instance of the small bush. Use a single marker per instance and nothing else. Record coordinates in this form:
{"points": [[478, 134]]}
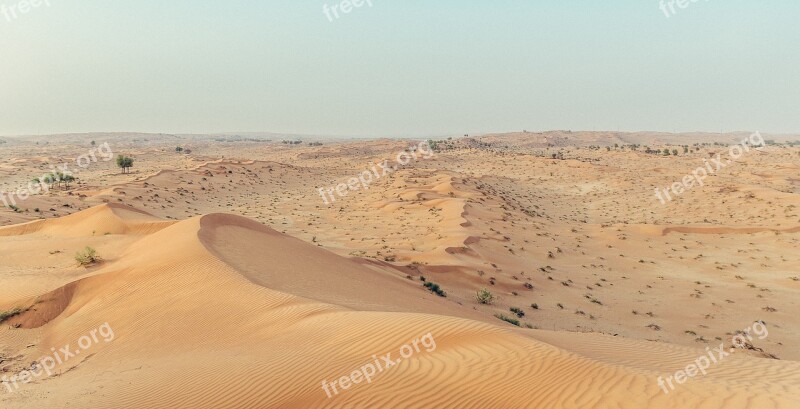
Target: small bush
{"points": [[435, 289], [4, 315], [484, 297], [535, 306], [507, 319], [517, 311], [87, 257]]}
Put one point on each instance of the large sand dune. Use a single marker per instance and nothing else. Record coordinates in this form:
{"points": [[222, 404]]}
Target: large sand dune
{"points": [[218, 311]]}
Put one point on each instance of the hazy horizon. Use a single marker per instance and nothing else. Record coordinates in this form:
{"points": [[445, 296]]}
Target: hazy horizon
{"points": [[398, 68], [406, 136]]}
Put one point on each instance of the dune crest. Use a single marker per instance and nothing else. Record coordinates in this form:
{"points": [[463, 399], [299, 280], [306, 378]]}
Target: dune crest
{"points": [[109, 218]]}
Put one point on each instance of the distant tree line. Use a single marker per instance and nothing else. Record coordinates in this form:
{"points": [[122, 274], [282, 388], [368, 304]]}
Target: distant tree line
{"points": [[55, 179]]}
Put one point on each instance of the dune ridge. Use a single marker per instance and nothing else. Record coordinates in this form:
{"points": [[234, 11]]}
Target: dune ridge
{"points": [[109, 218]]}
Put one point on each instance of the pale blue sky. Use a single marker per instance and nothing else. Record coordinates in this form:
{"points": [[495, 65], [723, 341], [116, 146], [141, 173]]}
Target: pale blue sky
{"points": [[399, 68]]}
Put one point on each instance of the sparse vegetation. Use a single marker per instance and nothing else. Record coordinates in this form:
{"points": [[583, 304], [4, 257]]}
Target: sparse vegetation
{"points": [[435, 288], [509, 320], [485, 297], [125, 163], [87, 256], [5, 315]]}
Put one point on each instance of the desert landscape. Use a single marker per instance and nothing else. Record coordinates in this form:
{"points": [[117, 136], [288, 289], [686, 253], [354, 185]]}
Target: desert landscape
{"points": [[528, 269], [370, 204]]}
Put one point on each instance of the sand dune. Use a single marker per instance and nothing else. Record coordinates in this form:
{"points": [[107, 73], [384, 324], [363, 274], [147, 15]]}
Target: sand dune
{"points": [[103, 219], [219, 311]]}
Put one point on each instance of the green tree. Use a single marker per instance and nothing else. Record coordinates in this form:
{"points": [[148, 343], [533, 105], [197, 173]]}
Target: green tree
{"points": [[125, 163], [67, 179], [48, 179]]}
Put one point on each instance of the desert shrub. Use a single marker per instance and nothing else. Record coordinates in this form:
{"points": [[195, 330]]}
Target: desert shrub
{"points": [[435, 289], [4, 315], [507, 319], [484, 297], [517, 311], [87, 257]]}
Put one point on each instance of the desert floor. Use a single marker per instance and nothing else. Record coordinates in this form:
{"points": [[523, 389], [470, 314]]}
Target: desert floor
{"points": [[230, 282]]}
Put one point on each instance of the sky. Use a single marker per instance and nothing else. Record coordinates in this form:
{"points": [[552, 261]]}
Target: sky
{"points": [[398, 67]]}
